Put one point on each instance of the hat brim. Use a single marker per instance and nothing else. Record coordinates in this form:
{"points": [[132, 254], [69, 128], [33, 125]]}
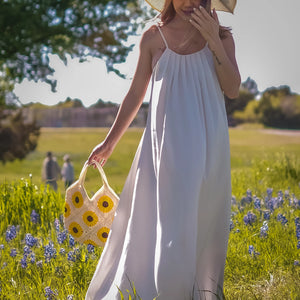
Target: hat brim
{"points": [[221, 5]]}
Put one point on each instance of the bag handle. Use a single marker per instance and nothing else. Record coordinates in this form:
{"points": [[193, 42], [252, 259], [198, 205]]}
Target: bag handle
{"points": [[100, 169]]}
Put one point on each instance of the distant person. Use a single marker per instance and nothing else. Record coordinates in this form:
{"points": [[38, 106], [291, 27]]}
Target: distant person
{"points": [[51, 170], [67, 171]]}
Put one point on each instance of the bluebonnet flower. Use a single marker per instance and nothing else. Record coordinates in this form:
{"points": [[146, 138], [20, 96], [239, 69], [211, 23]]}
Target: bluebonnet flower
{"points": [[71, 256], [30, 240], [297, 224], [32, 258], [257, 203], [39, 264], [296, 263], [4, 264], [247, 199], [298, 245], [269, 192], [70, 297], [24, 262], [49, 252], [62, 251], [62, 236], [280, 198], [231, 225], [11, 233], [56, 224], [49, 294], [264, 229], [34, 217], [252, 252], [26, 251], [91, 247], [1, 247], [266, 215], [282, 219], [13, 252], [71, 241], [250, 218]]}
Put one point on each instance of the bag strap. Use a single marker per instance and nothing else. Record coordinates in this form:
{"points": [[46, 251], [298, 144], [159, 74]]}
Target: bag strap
{"points": [[100, 169]]}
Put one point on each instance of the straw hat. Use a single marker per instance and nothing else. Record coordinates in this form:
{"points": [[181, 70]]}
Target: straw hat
{"points": [[224, 5]]}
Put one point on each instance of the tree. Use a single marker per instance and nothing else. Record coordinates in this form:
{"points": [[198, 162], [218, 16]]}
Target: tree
{"points": [[33, 29]]}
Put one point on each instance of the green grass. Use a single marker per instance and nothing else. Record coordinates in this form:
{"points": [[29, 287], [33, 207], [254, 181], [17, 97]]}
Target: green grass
{"points": [[259, 161]]}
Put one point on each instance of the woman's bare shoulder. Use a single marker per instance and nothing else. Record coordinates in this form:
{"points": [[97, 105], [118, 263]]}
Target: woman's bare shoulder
{"points": [[151, 35]]}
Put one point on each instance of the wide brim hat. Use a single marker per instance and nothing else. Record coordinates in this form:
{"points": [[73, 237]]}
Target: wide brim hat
{"points": [[222, 5]]}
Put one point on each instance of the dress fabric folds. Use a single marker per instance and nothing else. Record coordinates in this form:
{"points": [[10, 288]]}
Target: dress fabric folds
{"points": [[170, 232]]}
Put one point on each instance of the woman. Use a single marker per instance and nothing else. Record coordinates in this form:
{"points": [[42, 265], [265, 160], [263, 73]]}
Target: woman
{"points": [[170, 232]]}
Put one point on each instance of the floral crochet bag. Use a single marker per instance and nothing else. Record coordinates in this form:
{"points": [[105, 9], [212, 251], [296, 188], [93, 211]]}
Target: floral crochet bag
{"points": [[89, 220]]}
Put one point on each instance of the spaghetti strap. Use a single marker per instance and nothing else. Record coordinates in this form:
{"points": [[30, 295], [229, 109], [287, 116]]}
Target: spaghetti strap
{"points": [[164, 39]]}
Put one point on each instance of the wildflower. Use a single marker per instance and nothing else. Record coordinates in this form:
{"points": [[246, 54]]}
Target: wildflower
{"points": [[247, 199], [296, 263], [32, 258], [11, 233], [264, 229], [1, 247], [70, 297], [250, 218], [49, 294], [4, 264], [24, 262], [26, 251], [257, 204], [71, 241], [49, 252], [231, 226], [39, 264], [282, 219], [91, 247], [252, 252], [61, 236], [56, 224], [30, 240], [34, 217], [71, 256], [269, 192], [62, 251], [233, 200], [298, 245], [13, 252], [280, 198], [266, 215], [297, 224]]}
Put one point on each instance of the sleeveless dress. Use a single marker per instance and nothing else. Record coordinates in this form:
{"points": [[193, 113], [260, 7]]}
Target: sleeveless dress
{"points": [[170, 233]]}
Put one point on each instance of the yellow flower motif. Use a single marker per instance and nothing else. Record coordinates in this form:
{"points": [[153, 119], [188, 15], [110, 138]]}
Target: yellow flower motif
{"points": [[90, 218], [77, 199], [103, 234], [75, 229], [105, 204], [67, 210], [91, 242]]}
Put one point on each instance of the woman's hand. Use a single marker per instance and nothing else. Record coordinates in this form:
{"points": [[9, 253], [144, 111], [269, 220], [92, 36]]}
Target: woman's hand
{"points": [[206, 24], [100, 153]]}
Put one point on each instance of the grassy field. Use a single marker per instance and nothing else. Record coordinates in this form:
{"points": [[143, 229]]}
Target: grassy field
{"points": [[39, 260], [248, 147]]}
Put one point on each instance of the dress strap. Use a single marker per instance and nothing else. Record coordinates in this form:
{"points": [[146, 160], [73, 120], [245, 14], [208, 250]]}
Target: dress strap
{"points": [[163, 37]]}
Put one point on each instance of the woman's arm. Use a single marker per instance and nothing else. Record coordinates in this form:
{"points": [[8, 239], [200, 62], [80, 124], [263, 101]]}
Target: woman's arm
{"points": [[130, 105], [223, 51]]}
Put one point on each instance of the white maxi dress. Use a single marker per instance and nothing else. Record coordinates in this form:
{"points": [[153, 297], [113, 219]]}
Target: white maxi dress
{"points": [[170, 233]]}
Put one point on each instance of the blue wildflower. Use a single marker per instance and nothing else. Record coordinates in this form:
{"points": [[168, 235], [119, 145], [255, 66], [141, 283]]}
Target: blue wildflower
{"points": [[62, 251], [49, 252], [11, 233], [296, 263], [70, 297], [39, 264], [252, 252], [56, 224], [264, 229], [298, 245], [282, 219], [24, 262], [62, 236], [1, 247], [233, 200], [71, 241], [266, 215], [269, 192], [250, 218], [257, 203], [26, 251], [49, 294], [71, 256], [231, 225], [13, 252], [34, 217], [30, 240], [247, 199], [32, 258], [297, 224], [91, 247]]}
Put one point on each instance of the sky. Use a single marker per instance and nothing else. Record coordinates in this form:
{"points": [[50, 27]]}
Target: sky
{"points": [[267, 42]]}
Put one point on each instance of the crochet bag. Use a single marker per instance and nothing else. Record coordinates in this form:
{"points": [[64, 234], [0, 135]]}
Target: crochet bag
{"points": [[89, 220]]}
